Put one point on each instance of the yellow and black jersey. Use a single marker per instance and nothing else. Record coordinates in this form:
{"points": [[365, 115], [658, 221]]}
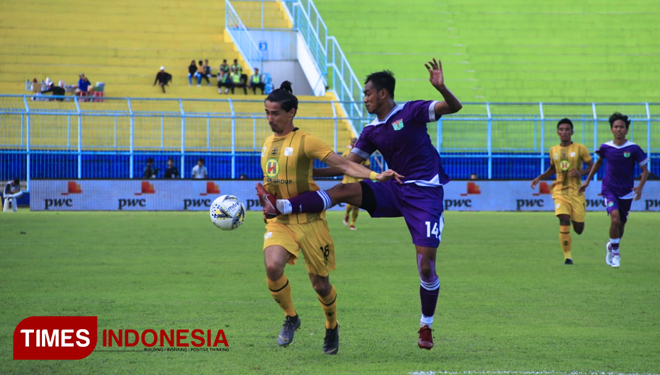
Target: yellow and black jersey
{"points": [[287, 163], [348, 179], [566, 159]]}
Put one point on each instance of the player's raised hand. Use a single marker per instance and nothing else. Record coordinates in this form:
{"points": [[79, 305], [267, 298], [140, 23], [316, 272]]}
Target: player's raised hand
{"points": [[388, 175], [435, 72]]}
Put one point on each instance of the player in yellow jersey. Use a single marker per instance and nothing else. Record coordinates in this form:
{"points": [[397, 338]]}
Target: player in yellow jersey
{"points": [[347, 180], [287, 159], [566, 162]]}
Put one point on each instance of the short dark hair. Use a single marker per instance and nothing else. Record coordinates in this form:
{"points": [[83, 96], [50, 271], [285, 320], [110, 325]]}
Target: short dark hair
{"points": [[284, 96], [150, 160], [17, 181], [170, 159], [565, 121], [382, 80], [200, 159], [618, 116]]}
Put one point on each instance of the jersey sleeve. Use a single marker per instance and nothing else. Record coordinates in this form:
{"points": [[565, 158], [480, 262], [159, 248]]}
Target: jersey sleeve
{"points": [[316, 148], [422, 111], [601, 151], [364, 147], [640, 156]]}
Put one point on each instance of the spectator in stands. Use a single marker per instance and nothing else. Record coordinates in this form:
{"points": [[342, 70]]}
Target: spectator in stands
{"points": [[200, 74], [162, 78], [474, 176], [149, 170], [239, 70], [224, 80], [83, 85], [257, 81], [57, 91], [207, 71], [171, 171], [242, 177], [237, 81], [11, 193], [199, 171], [192, 71], [223, 69]]}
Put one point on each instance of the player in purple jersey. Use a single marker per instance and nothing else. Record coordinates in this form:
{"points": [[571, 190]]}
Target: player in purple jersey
{"points": [[618, 187], [399, 132]]}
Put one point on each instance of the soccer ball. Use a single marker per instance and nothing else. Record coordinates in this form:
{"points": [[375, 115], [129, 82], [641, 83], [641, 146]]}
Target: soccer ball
{"points": [[227, 212]]}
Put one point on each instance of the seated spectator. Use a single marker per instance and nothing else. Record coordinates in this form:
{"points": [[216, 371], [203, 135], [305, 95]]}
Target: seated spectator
{"points": [[257, 81], [239, 69], [237, 81], [171, 171], [200, 74], [162, 78], [149, 170], [223, 69], [207, 70], [83, 85], [11, 194], [192, 71], [224, 80]]}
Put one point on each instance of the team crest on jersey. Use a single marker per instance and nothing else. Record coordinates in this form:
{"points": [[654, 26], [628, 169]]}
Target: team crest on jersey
{"points": [[572, 154], [398, 124], [288, 151], [626, 154], [272, 168], [564, 165]]}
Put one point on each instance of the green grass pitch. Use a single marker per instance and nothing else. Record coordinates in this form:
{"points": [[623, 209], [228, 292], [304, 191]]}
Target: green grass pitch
{"points": [[506, 51], [507, 301]]}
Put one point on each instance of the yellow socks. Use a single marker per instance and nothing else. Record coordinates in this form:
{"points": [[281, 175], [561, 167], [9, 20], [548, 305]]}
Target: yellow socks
{"points": [[281, 292], [565, 240], [329, 305]]}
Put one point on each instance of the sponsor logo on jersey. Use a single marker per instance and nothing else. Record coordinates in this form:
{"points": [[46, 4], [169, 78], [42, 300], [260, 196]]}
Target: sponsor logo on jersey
{"points": [[272, 168], [572, 154], [288, 151], [397, 125], [273, 152], [626, 154]]}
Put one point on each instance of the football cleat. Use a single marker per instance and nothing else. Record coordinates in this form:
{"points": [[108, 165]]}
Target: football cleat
{"points": [[608, 256], [268, 202], [331, 340], [291, 324], [352, 227], [616, 259], [425, 338], [568, 261], [346, 220]]}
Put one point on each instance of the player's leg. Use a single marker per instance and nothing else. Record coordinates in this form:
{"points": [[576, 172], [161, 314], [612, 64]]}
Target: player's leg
{"points": [[356, 212], [319, 251], [565, 240], [276, 256], [578, 213], [429, 290], [349, 208], [311, 201]]}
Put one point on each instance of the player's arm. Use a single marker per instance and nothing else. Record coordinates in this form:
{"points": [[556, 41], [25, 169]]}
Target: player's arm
{"points": [[642, 181], [587, 169], [356, 170], [548, 172], [451, 104], [593, 171], [333, 172]]}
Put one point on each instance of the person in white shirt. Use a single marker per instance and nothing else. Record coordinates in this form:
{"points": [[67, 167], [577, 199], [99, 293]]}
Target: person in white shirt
{"points": [[199, 171], [11, 193]]}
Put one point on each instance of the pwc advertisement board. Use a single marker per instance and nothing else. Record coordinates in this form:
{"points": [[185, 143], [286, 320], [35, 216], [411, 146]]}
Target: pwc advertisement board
{"points": [[195, 195]]}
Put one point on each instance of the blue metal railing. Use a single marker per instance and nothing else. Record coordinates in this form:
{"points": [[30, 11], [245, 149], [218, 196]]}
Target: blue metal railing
{"points": [[241, 37], [46, 138]]}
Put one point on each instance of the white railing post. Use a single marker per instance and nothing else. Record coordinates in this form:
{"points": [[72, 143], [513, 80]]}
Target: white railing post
{"points": [[183, 139], [131, 138], [489, 145], [648, 134], [233, 139], [27, 142], [593, 109], [542, 137], [75, 98]]}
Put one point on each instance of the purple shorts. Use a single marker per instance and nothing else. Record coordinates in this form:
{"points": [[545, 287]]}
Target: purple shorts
{"points": [[613, 203], [421, 207]]}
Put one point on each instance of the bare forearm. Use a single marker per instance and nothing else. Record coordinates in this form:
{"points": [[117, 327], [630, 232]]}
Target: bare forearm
{"points": [[327, 172], [453, 104]]}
